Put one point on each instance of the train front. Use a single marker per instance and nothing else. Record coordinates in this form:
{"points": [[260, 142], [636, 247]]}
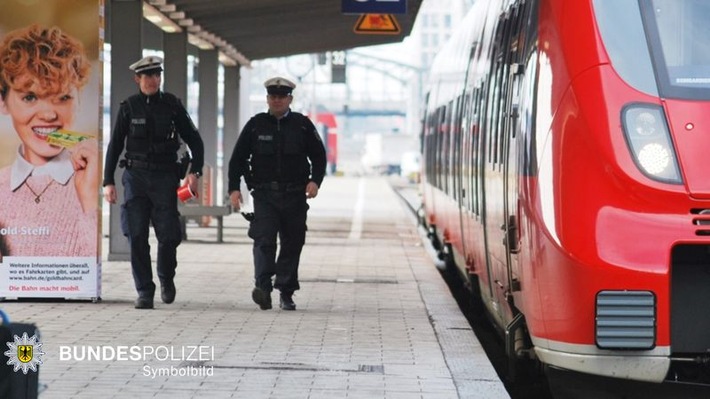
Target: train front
{"points": [[622, 256]]}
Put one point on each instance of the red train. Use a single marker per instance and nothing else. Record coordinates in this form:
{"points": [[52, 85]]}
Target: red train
{"points": [[328, 127], [566, 173]]}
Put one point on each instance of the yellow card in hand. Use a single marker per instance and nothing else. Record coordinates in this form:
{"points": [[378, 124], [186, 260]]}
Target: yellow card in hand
{"points": [[66, 138]]}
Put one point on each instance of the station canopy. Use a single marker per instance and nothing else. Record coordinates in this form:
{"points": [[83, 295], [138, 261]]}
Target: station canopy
{"points": [[260, 29]]}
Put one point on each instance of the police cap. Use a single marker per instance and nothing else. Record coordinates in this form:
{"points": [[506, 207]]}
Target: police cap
{"points": [[279, 85], [149, 64]]}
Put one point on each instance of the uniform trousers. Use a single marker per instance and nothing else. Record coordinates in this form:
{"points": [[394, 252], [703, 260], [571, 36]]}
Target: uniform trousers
{"points": [[278, 214], [150, 197]]}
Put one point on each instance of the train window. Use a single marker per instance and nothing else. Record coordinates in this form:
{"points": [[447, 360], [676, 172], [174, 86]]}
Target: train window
{"points": [[527, 107], [429, 147], [680, 45], [623, 35], [453, 107], [467, 150], [456, 148], [677, 34], [528, 166], [442, 148], [476, 146], [446, 149]]}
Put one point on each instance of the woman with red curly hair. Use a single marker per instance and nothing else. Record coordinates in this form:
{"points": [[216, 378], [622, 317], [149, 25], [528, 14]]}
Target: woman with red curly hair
{"points": [[49, 195]]}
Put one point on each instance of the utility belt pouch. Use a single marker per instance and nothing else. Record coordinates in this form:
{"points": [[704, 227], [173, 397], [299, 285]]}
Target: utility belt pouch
{"points": [[139, 128], [139, 121]]}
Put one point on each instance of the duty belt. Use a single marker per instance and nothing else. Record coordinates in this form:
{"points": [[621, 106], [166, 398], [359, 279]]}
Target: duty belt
{"points": [[278, 186], [132, 163]]}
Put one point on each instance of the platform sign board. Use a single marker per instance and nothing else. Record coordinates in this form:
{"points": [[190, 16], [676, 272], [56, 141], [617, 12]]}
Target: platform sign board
{"points": [[377, 24], [50, 149], [374, 6]]}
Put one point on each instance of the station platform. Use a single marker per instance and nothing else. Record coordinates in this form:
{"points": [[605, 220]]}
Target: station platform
{"points": [[374, 318]]}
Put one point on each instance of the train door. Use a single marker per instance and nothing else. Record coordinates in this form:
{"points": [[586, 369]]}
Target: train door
{"points": [[511, 215], [513, 162], [471, 233], [460, 151], [429, 179], [501, 172], [493, 182], [470, 208]]}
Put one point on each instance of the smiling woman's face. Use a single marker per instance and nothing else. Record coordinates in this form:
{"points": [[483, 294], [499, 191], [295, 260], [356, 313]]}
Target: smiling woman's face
{"points": [[35, 116], [41, 73]]}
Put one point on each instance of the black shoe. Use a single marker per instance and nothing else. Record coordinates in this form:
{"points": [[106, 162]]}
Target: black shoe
{"points": [[261, 298], [167, 292], [286, 301], [144, 303]]}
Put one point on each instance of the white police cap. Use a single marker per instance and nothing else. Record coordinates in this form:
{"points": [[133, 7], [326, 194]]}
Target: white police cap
{"points": [[147, 64], [279, 85]]}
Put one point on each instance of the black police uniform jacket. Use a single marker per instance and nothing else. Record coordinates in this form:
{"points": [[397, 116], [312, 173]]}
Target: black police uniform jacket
{"points": [[286, 151], [148, 127]]}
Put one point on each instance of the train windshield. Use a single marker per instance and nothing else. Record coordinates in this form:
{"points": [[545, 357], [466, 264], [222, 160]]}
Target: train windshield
{"points": [[661, 47]]}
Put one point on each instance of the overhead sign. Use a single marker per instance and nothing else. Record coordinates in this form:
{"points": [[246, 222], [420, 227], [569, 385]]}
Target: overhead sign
{"points": [[377, 24], [374, 6]]}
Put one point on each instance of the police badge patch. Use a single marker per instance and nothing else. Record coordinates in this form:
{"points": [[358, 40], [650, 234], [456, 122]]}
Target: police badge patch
{"points": [[24, 353]]}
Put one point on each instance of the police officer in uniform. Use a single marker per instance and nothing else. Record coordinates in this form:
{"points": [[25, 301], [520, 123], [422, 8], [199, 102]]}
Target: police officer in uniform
{"points": [[150, 125], [282, 159]]}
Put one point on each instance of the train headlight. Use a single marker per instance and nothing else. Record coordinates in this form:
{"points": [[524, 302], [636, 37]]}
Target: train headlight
{"points": [[649, 141], [645, 123], [654, 158]]}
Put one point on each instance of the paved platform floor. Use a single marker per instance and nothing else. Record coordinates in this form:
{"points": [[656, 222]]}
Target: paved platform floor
{"points": [[374, 319]]}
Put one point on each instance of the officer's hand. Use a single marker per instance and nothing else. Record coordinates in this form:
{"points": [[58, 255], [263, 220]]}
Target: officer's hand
{"points": [[235, 198], [85, 160], [311, 190], [110, 193], [192, 182]]}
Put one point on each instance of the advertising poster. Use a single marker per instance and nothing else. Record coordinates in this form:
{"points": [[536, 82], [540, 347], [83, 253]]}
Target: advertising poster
{"points": [[50, 159]]}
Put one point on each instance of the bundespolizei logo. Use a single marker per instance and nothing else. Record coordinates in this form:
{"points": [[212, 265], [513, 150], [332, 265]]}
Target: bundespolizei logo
{"points": [[25, 353]]}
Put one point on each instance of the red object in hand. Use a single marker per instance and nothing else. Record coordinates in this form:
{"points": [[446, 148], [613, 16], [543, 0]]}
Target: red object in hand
{"points": [[185, 193]]}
